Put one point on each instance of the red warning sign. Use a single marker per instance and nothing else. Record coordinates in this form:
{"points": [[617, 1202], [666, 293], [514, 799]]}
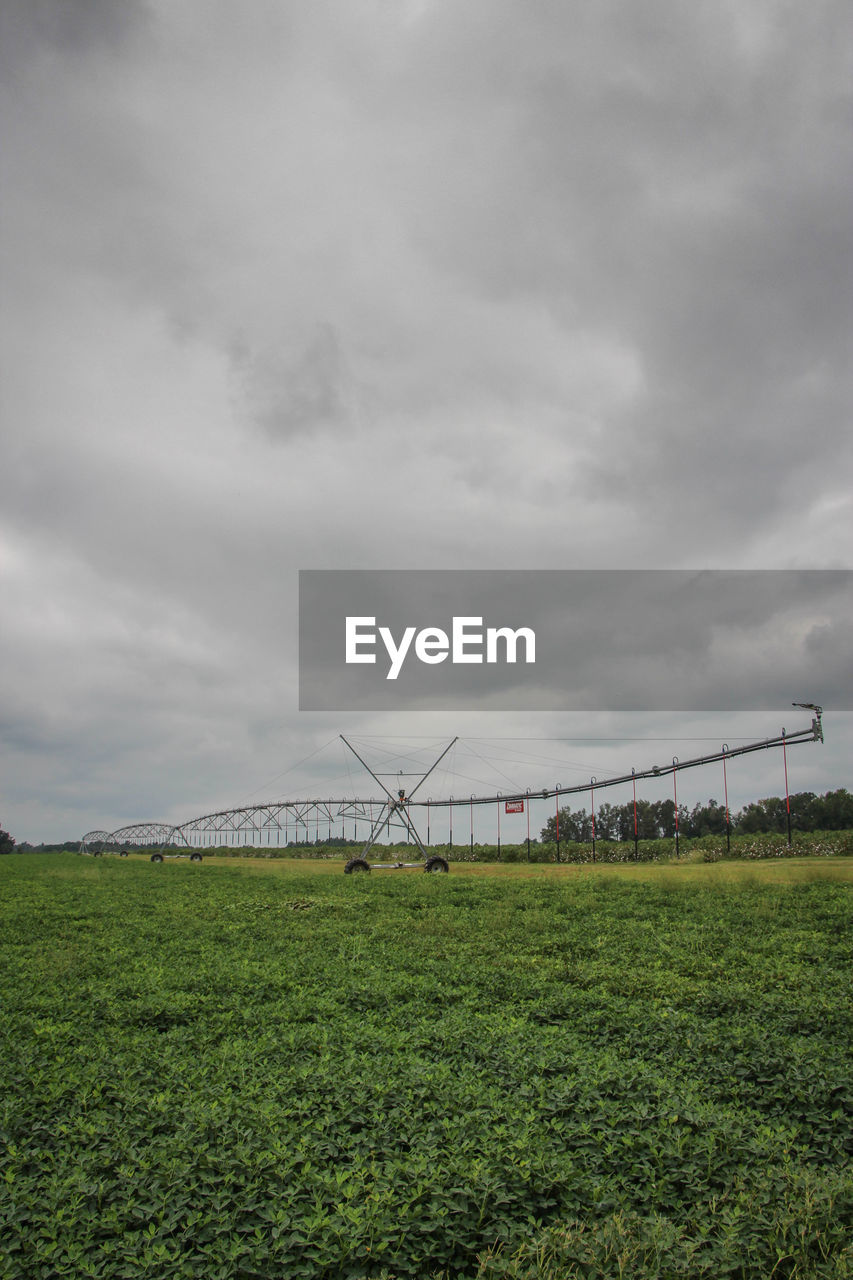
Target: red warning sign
{"points": [[514, 806]]}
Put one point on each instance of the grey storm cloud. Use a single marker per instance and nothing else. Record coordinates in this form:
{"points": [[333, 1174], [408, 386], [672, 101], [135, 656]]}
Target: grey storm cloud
{"points": [[371, 285], [618, 639], [72, 28]]}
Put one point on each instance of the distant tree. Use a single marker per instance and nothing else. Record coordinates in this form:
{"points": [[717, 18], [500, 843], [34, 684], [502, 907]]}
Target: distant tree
{"points": [[664, 811], [647, 827], [656, 819], [803, 814], [7, 844], [608, 824], [616, 822], [834, 811], [705, 820], [767, 814], [572, 826], [809, 812]]}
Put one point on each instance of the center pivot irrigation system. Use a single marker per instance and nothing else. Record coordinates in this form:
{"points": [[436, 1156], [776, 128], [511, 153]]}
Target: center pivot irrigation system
{"points": [[393, 806], [395, 810]]}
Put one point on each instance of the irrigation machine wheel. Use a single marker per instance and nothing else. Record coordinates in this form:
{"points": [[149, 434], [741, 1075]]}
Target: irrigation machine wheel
{"points": [[435, 863], [156, 857], [356, 864], [195, 857]]}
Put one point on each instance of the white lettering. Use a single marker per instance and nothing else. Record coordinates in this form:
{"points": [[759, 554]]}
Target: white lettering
{"points": [[432, 645], [511, 638], [461, 638], [354, 639], [397, 655]]}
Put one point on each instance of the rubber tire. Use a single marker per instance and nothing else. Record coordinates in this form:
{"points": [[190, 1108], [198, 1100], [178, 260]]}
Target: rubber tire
{"points": [[356, 864], [156, 857], [195, 857], [123, 853], [435, 863]]}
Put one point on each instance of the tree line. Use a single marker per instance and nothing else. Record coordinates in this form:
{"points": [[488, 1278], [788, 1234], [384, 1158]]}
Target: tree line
{"points": [[833, 811], [655, 819]]}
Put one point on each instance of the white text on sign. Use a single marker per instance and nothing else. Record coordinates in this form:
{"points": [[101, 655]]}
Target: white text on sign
{"points": [[466, 642]]}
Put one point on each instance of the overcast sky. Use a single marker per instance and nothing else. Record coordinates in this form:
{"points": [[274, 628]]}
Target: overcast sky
{"points": [[396, 284]]}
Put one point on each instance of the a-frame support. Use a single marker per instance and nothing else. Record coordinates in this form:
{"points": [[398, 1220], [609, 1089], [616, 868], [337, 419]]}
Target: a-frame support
{"points": [[395, 805]]}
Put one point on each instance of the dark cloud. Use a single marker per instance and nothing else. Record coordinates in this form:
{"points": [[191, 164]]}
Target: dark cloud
{"points": [[314, 391], [403, 285], [644, 640], [66, 28]]}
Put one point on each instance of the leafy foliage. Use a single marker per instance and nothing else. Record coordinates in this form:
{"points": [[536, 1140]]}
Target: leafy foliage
{"points": [[245, 1071], [655, 820]]}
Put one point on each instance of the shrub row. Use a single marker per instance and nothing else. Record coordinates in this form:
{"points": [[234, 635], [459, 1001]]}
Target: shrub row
{"points": [[817, 844]]}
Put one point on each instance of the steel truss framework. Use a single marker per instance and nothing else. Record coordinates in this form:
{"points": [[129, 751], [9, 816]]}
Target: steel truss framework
{"points": [[260, 824], [249, 824], [138, 835]]}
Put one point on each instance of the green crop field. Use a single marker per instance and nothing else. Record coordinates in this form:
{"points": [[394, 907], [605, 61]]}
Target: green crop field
{"points": [[272, 1070]]}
